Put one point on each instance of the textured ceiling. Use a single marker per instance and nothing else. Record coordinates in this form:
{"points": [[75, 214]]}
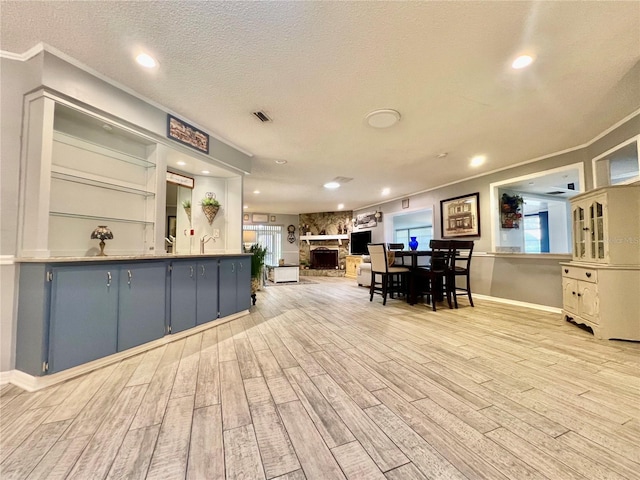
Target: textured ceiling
{"points": [[317, 68]]}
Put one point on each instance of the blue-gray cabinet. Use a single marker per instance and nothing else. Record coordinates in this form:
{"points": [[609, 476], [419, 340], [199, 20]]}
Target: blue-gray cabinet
{"points": [[183, 295], [235, 285], [141, 305], [194, 293], [84, 315], [207, 291], [70, 313]]}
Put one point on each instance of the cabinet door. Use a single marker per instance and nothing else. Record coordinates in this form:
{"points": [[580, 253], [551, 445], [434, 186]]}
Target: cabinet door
{"points": [[84, 309], [243, 284], [228, 286], [596, 231], [183, 296], [141, 314], [579, 233], [570, 295], [588, 301], [207, 291]]}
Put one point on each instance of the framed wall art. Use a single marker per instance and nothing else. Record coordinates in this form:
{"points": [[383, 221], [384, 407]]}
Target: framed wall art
{"points": [[460, 216], [186, 134]]}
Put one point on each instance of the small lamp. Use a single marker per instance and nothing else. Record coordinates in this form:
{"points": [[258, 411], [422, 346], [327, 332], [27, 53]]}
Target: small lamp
{"points": [[102, 233], [249, 237]]}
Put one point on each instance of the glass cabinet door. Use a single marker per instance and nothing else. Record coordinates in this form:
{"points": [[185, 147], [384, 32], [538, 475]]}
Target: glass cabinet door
{"points": [[579, 238], [597, 234]]}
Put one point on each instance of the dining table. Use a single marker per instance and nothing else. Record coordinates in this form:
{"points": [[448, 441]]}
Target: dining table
{"points": [[414, 256]]}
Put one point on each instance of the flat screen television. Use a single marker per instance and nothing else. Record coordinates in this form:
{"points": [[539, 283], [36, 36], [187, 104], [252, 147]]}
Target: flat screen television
{"points": [[359, 242]]}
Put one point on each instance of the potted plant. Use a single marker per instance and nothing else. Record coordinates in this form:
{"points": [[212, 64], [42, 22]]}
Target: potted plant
{"points": [[210, 206], [510, 210], [257, 266], [186, 204]]}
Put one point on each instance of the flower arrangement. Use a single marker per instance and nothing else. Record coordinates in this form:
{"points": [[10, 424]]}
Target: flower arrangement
{"points": [[510, 215]]}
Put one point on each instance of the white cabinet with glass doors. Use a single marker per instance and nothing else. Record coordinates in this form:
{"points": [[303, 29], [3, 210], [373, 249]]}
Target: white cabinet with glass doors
{"points": [[601, 284]]}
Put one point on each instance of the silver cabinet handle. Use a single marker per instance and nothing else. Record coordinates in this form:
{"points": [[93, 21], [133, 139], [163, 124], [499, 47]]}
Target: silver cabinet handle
{"points": [[190, 271], [240, 263], [108, 279], [233, 267], [202, 267], [129, 276]]}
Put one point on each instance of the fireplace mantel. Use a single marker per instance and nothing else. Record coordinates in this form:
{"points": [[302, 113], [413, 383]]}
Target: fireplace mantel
{"points": [[322, 238]]}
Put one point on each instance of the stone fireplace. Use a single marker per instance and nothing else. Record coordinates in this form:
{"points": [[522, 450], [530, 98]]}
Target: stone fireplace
{"points": [[323, 258]]}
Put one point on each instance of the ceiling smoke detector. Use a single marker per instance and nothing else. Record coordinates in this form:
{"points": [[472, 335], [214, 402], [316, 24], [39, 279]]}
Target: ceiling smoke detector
{"points": [[260, 115], [383, 118]]}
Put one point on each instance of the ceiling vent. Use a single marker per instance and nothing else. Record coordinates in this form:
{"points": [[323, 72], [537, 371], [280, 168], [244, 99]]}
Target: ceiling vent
{"points": [[342, 180], [262, 116]]}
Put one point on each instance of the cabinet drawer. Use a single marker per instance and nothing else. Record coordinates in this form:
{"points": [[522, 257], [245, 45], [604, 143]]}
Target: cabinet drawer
{"points": [[584, 274]]}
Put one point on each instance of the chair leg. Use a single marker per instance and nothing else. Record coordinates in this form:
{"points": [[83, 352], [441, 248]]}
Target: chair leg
{"points": [[454, 291], [385, 283], [469, 290], [372, 287]]}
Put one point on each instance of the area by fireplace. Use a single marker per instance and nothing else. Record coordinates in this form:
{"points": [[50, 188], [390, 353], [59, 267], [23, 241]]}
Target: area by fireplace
{"points": [[323, 258]]}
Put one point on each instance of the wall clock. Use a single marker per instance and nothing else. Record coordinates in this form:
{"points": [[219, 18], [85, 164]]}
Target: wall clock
{"points": [[292, 234]]}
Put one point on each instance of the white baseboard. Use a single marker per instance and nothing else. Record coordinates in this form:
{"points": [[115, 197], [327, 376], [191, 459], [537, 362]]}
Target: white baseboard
{"points": [[517, 303], [31, 383]]}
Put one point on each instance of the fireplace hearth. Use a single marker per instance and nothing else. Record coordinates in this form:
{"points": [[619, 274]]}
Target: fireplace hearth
{"points": [[323, 258]]}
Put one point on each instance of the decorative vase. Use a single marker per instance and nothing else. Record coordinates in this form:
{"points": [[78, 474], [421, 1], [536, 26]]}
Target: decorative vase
{"points": [[413, 243], [210, 212], [187, 210]]}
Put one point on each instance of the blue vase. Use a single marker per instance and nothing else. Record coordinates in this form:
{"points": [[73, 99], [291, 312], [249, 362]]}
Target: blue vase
{"points": [[413, 243]]}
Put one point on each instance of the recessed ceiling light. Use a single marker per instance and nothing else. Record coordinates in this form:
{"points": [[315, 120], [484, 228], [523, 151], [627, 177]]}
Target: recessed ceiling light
{"points": [[522, 61], [442, 155], [205, 171], [383, 118], [181, 163], [256, 192], [386, 191], [280, 162], [478, 160], [340, 206], [107, 128], [331, 185], [245, 207], [146, 60]]}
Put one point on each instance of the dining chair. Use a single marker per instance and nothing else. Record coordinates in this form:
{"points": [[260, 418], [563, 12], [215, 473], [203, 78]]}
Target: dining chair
{"points": [[461, 266], [385, 279], [436, 280], [395, 247]]}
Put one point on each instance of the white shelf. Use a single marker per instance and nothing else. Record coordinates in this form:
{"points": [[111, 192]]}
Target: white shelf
{"points": [[321, 238], [101, 150], [99, 218], [75, 176]]}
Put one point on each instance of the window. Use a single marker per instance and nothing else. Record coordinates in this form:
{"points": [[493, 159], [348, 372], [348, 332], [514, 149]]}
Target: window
{"points": [[415, 224], [270, 237], [423, 235], [620, 165], [541, 223], [536, 233]]}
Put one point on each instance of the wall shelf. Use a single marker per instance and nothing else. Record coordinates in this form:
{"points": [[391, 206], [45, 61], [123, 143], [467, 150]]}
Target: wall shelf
{"points": [[98, 218], [75, 176]]}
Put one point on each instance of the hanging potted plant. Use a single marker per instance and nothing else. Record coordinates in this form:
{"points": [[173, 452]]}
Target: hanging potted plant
{"points": [[210, 206], [186, 204], [257, 266], [510, 210]]}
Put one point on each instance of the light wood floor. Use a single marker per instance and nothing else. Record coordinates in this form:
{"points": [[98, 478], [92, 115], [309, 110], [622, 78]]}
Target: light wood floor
{"points": [[318, 383]]}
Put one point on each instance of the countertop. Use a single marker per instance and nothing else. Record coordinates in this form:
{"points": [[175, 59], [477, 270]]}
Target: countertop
{"points": [[125, 258]]}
